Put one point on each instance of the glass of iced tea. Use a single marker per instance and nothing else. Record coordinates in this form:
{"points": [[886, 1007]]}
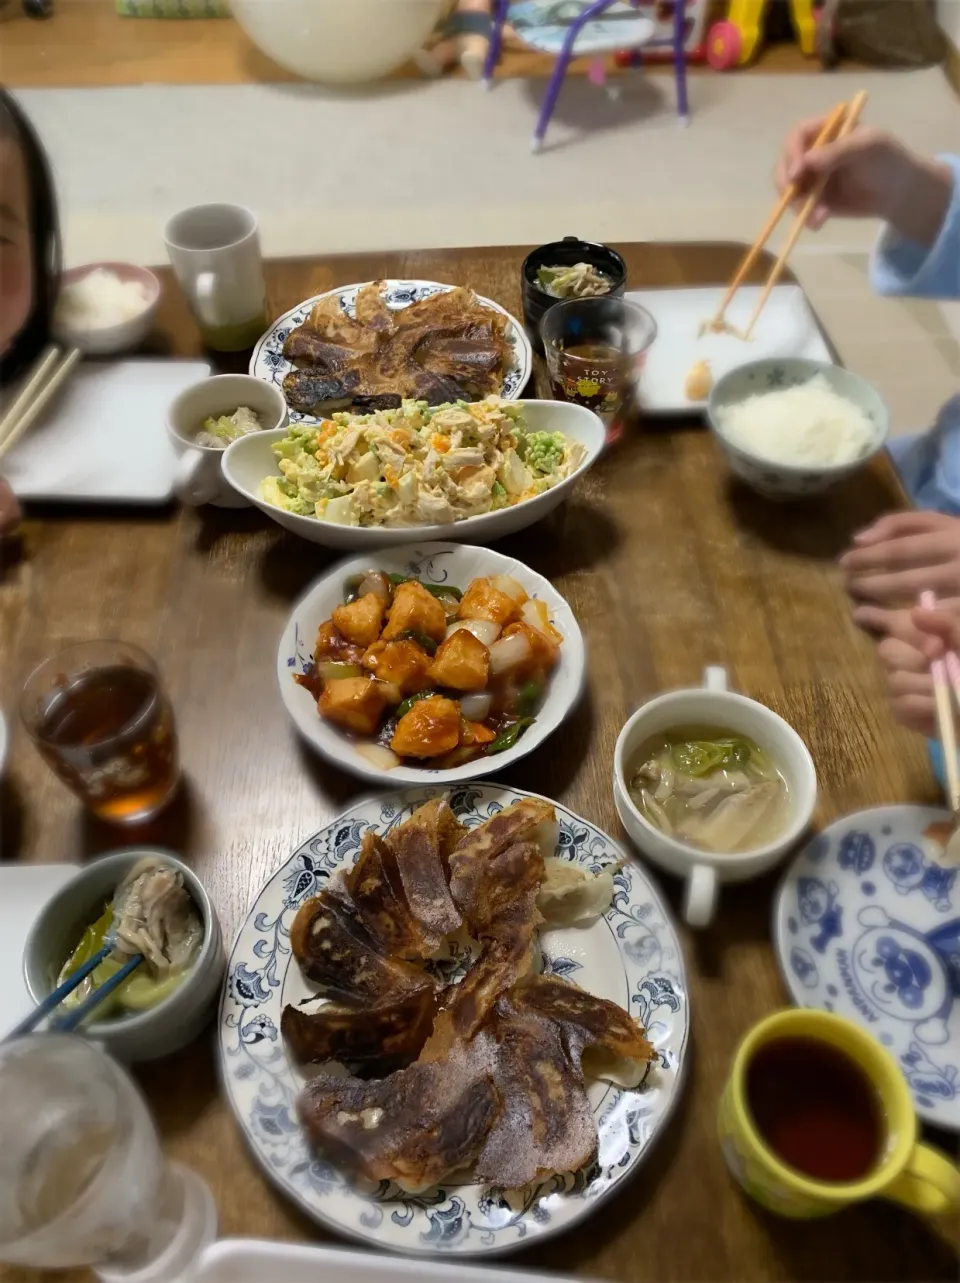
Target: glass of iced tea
{"points": [[100, 717], [595, 349]]}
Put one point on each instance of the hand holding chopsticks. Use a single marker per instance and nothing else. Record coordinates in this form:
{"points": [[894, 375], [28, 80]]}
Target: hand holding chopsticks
{"points": [[841, 122]]}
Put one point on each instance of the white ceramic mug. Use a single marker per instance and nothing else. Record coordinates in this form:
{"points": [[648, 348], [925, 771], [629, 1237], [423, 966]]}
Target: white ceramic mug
{"points": [[199, 478], [215, 254], [713, 704]]}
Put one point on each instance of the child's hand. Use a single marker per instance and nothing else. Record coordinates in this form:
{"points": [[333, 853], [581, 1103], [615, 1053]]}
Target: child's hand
{"points": [[908, 666], [900, 556], [869, 175]]}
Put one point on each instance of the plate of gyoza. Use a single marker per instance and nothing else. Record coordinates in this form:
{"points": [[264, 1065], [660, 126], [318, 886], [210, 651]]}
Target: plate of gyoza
{"points": [[455, 1020]]}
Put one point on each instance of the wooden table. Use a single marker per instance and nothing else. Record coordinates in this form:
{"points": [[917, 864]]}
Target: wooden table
{"points": [[668, 567]]}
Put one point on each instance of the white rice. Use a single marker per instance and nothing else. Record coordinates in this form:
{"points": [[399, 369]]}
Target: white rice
{"points": [[808, 425], [101, 299]]}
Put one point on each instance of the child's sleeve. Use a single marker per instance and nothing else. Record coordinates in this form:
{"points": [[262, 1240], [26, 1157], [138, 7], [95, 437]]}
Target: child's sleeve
{"points": [[900, 266]]}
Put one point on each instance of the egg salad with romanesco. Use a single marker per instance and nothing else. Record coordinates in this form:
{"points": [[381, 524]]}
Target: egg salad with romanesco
{"points": [[417, 465]]}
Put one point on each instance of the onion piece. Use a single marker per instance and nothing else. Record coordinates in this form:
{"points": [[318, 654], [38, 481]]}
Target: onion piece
{"points": [[507, 584], [384, 759], [476, 705], [509, 652], [536, 614], [484, 630], [374, 581]]}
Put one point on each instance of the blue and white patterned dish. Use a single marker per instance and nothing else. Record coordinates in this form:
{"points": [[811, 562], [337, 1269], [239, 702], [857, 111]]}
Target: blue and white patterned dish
{"points": [[269, 363], [867, 924], [632, 956], [433, 563]]}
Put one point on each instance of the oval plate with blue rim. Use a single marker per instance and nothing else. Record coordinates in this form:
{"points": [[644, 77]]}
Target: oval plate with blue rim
{"points": [[632, 956], [867, 924], [268, 362]]}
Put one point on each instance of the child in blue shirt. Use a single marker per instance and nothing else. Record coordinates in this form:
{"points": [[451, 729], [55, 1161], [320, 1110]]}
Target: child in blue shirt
{"points": [[871, 174]]}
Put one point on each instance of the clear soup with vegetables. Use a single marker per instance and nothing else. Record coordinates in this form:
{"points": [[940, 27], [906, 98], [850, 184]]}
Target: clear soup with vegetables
{"points": [[711, 788]]}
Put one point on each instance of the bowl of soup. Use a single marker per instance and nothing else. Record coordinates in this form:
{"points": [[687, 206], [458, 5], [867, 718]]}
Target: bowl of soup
{"points": [[713, 787]]}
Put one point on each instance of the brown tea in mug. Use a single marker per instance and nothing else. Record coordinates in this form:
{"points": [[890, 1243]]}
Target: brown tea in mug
{"points": [[816, 1109], [109, 734]]}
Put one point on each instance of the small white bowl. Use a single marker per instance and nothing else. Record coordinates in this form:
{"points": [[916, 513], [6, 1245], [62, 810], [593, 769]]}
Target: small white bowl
{"points": [[784, 480], [199, 476], [110, 339], [713, 704], [144, 1035], [248, 461], [434, 563]]}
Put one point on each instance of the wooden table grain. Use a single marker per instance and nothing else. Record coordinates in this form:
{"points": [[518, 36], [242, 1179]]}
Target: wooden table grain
{"points": [[668, 567]]}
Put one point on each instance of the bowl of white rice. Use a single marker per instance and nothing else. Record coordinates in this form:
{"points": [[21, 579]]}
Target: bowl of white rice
{"points": [[105, 308], [791, 427]]}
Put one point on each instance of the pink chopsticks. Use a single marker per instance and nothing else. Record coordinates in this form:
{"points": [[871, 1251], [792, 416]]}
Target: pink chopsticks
{"points": [[946, 678]]}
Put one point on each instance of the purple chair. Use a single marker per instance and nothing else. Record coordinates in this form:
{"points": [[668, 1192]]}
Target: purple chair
{"points": [[589, 14]]}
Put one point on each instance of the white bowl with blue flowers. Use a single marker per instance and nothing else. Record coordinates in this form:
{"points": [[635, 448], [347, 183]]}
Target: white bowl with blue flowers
{"points": [[867, 925], [268, 361], [784, 480], [631, 956], [432, 563]]}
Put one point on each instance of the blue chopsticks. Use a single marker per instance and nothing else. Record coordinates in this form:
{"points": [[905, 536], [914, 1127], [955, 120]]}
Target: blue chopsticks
{"points": [[79, 1014], [54, 999]]}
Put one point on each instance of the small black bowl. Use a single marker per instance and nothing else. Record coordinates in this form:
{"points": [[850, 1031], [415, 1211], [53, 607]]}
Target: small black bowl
{"points": [[566, 253]]}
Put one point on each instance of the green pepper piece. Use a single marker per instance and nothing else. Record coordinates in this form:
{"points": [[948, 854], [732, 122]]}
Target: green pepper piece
{"points": [[422, 640], [409, 702], [396, 579], [442, 590], [529, 698], [509, 735]]}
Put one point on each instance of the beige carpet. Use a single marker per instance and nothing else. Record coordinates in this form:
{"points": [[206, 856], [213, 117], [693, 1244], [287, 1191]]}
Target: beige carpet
{"points": [[419, 163]]}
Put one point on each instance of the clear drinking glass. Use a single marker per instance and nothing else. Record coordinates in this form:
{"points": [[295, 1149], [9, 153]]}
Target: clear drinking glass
{"points": [[595, 349], [101, 719], [82, 1177]]}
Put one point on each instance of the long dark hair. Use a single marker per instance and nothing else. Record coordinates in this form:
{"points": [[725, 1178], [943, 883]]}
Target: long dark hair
{"points": [[45, 236]]}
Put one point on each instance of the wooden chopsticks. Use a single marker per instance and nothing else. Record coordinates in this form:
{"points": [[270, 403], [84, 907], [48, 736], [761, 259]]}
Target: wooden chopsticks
{"points": [[46, 378], [838, 124]]}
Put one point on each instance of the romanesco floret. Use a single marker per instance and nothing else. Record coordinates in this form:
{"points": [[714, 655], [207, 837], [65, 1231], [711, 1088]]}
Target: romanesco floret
{"points": [[544, 451]]}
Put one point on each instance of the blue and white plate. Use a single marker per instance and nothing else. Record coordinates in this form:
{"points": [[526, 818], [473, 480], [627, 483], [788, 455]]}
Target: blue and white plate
{"points": [[269, 363], [631, 956], [867, 924]]}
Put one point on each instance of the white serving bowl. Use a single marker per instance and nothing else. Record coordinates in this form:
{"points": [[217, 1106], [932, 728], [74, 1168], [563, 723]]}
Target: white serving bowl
{"points": [[714, 705], [249, 460], [338, 41], [108, 340], [435, 563], [784, 480]]}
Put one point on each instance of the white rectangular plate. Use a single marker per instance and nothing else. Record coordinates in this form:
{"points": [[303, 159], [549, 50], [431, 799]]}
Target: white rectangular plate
{"points": [[253, 1261], [786, 327], [24, 890], [104, 439]]}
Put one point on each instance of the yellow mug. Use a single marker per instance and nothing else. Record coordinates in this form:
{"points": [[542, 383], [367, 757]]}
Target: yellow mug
{"points": [[915, 1175]]}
